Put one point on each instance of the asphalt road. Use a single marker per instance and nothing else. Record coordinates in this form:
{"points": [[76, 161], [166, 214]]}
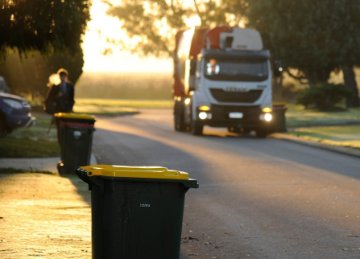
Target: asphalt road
{"points": [[258, 198]]}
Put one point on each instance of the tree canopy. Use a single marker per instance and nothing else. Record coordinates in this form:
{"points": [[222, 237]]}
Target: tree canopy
{"points": [[47, 34], [314, 36], [42, 24], [154, 22]]}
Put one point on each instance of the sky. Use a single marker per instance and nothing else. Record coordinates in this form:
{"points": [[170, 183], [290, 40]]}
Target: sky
{"points": [[101, 27]]}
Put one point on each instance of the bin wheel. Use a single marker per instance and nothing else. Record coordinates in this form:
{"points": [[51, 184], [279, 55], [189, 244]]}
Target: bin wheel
{"points": [[60, 167]]}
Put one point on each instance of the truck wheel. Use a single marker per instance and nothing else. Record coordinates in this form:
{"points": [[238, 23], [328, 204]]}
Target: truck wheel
{"points": [[179, 122], [262, 133], [234, 129], [197, 128]]}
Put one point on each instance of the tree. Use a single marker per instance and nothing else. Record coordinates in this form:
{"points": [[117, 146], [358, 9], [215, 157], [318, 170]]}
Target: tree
{"points": [[38, 37], [315, 37], [153, 23], [42, 24], [28, 74]]}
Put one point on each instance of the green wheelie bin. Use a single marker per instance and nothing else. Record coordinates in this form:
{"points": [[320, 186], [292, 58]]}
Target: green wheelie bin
{"points": [[137, 212], [75, 132], [279, 118]]}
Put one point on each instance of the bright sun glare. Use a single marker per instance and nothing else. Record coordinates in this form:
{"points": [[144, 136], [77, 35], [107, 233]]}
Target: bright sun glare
{"points": [[102, 27]]}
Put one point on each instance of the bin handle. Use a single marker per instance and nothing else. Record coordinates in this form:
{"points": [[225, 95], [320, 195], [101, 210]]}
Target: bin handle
{"points": [[84, 175]]}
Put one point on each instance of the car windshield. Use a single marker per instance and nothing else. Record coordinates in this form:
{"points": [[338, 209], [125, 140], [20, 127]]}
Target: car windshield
{"points": [[236, 69]]}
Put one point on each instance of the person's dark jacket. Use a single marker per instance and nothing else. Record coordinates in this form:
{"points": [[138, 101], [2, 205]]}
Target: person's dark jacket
{"points": [[58, 101]]}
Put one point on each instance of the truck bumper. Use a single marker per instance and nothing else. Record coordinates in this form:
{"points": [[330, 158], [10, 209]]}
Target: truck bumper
{"points": [[233, 116]]}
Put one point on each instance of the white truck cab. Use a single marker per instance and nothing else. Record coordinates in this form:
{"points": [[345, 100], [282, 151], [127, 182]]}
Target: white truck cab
{"points": [[229, 85]]}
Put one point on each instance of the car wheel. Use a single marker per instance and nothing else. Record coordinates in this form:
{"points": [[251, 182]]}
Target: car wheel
{"points": [[3, 128]]}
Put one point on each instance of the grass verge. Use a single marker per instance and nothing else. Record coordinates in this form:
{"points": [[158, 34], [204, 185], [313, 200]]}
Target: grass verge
{"points": [[19, 171], [118, 106], [298, 116], [337, 128], [344, 136], [35, 141]]}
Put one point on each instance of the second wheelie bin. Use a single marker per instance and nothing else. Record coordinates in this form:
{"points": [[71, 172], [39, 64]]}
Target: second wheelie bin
{"points": [[75, 132], [279, 118]]}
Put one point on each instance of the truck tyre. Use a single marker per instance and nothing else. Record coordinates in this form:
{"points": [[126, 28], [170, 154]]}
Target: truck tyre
{"points": [[197, 128], [179, 120], [262, 133], [234, 129]]}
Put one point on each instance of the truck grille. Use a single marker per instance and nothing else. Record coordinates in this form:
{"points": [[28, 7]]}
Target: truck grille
{"points": [[244, 97]]}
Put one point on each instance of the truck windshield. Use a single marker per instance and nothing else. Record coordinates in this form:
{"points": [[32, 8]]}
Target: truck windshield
{"points": [[236, 69]]}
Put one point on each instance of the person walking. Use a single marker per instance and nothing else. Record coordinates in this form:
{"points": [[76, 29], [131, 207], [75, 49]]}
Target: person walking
{"points": [[60, 97]]}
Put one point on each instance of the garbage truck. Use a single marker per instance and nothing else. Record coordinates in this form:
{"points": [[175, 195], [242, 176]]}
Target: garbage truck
{"points": [[222, 78]]}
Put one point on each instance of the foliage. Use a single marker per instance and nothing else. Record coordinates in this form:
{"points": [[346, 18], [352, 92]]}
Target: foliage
{"points": [[42, 24], [28, 75], [313, 36], [153, 23], [323, 96]]}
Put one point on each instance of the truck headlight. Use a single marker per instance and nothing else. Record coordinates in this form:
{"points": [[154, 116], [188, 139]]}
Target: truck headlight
{"points": [[266, 117], [204, 115]]}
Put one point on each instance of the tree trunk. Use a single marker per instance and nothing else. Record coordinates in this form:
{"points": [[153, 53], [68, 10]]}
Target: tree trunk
{"points": [[350, 83], [316, 77]]}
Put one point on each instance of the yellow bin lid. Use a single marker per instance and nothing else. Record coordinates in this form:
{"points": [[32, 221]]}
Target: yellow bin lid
{"points": [[73, 116], [138, 172]]}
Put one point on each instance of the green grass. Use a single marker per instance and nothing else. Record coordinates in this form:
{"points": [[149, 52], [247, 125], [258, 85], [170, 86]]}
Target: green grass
{"points": [[31, 142], [298, 116], [346, 136], [338, 128], [118, 106]]}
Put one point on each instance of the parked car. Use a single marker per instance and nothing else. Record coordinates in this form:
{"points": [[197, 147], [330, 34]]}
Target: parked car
{"points": [[3, 86], [15, 112]]}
